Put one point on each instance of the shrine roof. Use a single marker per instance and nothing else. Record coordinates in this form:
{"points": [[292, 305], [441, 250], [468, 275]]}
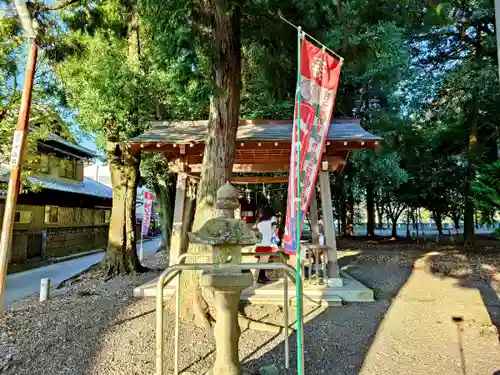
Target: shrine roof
{"points": [[182, 132]]}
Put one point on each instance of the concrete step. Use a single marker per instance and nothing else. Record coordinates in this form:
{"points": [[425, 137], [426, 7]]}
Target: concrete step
{"points": [[272, 294]]}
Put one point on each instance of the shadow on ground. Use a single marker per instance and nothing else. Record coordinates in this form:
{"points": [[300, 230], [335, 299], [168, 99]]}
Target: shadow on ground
{"points": [[336, 341], [477, 269], [98, 328]]}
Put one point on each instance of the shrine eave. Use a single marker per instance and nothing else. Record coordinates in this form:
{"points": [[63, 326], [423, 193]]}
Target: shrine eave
{"points": [[262, 145], [193, 132]]}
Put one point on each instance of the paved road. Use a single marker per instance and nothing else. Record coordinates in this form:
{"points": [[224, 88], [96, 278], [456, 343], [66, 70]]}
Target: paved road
{"points": [[22, 284]]}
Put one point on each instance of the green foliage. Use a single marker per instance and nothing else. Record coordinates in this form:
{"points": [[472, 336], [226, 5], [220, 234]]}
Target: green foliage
{"points": [[45, 105], [487, 188], [416, 73]]}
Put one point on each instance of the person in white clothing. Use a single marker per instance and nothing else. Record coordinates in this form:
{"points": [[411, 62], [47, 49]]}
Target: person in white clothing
{"points": [[267, 223]]}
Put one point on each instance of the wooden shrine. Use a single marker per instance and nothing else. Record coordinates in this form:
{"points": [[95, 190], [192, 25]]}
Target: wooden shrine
{"points": [[262, 146]]}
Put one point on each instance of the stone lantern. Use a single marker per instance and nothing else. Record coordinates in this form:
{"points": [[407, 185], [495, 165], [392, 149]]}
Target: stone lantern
{"points": [[226, 236]]}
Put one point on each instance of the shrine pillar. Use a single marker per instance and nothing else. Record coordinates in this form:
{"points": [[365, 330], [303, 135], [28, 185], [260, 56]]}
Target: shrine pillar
{"points": [[334, 278], [178, 223]]}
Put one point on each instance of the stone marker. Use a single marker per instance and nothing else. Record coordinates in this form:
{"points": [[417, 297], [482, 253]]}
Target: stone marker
{"points": [[44, 289]]}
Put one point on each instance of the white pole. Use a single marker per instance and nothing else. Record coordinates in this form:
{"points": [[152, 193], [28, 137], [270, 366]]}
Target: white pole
{"points": [[44, 289], [141, 248]]}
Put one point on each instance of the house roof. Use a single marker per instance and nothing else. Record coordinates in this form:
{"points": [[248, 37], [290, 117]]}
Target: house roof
{"points": [[65, 146], [85, 187], [181, 132], [61, 144]]}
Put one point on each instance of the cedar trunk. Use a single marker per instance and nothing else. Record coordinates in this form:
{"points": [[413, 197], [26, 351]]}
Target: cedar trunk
{"points": [[121, 255], [471, 173], [350, 214], [380, 214], [439, 221], [220, 141], [394, 233], [370, 211], [408, 234]]}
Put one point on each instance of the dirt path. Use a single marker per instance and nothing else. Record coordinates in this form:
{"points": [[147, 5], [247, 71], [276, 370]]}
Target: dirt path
{"points": [[435, 326], [93, 327]]}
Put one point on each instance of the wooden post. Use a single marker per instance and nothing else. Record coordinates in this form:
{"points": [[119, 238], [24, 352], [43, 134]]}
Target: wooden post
{"points": [[329, 228], [16, 162], [178, 219], [313, 210]]}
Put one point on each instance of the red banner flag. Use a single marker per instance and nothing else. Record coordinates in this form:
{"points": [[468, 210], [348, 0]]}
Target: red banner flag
{"points": [[319, 78], [146, 212]]}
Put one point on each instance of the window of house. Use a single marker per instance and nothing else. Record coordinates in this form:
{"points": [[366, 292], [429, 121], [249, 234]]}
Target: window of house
{"points": [[78, 214], [51, 214], [78, 170], [68, 169], [44, 163], [23, 217], [102, 216], [107, 216]]}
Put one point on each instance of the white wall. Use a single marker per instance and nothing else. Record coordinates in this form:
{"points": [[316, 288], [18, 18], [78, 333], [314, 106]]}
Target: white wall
{"points": [[100, 173]]}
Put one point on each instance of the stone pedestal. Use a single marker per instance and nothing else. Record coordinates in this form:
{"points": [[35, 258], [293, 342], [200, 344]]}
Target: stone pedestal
{"points": [[226, 236], [227, 289]]}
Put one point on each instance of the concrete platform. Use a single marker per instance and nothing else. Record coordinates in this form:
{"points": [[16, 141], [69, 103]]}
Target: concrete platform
{"points": [[272, 294]]}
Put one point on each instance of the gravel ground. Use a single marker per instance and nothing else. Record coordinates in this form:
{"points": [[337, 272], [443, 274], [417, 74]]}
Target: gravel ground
{"points": [[95, 327]]}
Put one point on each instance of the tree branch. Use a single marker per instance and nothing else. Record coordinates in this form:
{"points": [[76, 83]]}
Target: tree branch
{"points": [[61, 5]]}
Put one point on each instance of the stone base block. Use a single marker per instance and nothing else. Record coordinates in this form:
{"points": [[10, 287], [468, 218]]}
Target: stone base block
{"points": [[335, 282], [272, 294]]}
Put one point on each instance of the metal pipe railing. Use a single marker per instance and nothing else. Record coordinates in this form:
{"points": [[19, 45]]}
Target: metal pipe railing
{"points": [[185, 255], [171, 272]]}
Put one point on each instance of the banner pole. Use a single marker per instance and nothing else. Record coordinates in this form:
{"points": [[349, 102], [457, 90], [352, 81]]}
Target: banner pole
{"points": [[298, 291], [141, 249], [313, 38]]}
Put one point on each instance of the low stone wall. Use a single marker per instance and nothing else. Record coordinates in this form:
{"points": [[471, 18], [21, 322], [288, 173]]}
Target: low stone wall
{"points": [[58, 242], [65, 241]]}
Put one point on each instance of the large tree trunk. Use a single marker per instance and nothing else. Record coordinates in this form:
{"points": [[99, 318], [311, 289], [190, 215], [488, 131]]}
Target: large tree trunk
{"points": [[472, 147], [121, 255], [456, 220], [394, 233], [370, 211], [380, 214], [408, 234], [220, 140], [165, 191], [439, 221], [471, 174]]}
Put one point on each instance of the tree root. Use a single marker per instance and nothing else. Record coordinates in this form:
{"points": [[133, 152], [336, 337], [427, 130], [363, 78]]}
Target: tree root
{"points": [[246, 323], [73, 279]]}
